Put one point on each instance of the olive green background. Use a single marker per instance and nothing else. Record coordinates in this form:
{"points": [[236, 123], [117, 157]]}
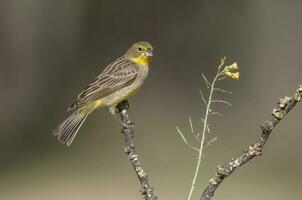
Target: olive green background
{"points": [[50, 50]]}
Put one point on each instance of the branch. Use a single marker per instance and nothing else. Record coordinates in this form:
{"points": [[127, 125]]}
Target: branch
{"points": [[222, 101], [185, 140], [208, 143], [283, 107], [203, 134], [208, 84], [129, 148], [208, 111], [223, 91], [203, 98]]}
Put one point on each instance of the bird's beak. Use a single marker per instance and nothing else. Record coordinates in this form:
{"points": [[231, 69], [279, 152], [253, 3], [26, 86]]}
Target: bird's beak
{"points": [[149, 54]]}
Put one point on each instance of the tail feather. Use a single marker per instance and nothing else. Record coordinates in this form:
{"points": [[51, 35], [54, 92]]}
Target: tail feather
{"points": [[68, 129]]}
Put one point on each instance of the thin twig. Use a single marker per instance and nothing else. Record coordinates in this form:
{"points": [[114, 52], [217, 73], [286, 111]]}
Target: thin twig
{"points": [[221, 101], [205, 128], [222, 172], [216, 113], [129, 148], [222, 90], [191, 125], [200, 136], [208, 125], [208, 143], [185, 140], [221, 78], [203, 98], [222, 61], [206, 81], [202, 121]]}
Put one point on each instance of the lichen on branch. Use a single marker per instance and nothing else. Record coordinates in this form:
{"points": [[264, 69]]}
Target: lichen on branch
{"points": [[129, 149], [284, 105]]}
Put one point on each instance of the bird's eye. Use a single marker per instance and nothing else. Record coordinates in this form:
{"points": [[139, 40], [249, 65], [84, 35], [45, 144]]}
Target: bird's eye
{"points": [[140, 49]]}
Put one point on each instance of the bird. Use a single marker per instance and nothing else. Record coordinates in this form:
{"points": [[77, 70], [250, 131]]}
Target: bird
{"points": [[119, 80]]}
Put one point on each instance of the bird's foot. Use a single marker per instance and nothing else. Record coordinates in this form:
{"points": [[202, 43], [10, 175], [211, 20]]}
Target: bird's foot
{"points": [[120, 112], [124, 105]]}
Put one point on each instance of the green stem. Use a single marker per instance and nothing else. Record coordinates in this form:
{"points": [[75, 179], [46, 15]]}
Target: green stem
{"points": [[200, 152]]}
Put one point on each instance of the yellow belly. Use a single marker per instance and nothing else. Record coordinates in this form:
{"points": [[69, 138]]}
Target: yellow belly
{"points": [[121, 95]]}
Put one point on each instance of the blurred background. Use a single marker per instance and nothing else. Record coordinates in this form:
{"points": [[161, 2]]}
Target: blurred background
{"points": [[50, 50]]}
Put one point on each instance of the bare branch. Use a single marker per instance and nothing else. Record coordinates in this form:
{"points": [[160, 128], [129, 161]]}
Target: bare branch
{"points": [[221, 90], [181, 135], [203, 134], [221, 101], [221, 77], [208, 128], [222, 61], [203, 98], [185, 140], [127, 131], [206, 81], [208, 143], [222, 172], [207, 125], [216, 113], [191, 125]]}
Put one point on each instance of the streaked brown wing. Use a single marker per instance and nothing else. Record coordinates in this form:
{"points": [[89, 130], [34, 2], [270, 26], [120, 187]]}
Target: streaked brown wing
{"points": [[117, 75]]}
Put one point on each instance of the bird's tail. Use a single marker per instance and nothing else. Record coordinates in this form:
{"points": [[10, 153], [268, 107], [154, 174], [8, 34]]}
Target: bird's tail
{"points": [[68, 129]]}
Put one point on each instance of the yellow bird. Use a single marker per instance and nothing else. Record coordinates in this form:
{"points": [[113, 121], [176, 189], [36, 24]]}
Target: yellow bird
{"points": [[119, 80]]}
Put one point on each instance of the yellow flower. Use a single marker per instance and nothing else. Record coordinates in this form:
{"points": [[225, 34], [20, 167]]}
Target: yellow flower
{"points": [[230, 71], [233, 66], [232, 75]]}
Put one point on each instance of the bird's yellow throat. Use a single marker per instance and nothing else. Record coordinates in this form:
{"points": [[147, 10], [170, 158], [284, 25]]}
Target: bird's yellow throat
{"points": [[142, 60]]}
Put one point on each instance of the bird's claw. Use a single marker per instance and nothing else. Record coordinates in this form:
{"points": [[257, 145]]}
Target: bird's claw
{"points": [[124, 105]]}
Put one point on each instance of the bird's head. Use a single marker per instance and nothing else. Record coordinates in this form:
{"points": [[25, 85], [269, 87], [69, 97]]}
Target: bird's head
{"points": [[140, 53]]}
